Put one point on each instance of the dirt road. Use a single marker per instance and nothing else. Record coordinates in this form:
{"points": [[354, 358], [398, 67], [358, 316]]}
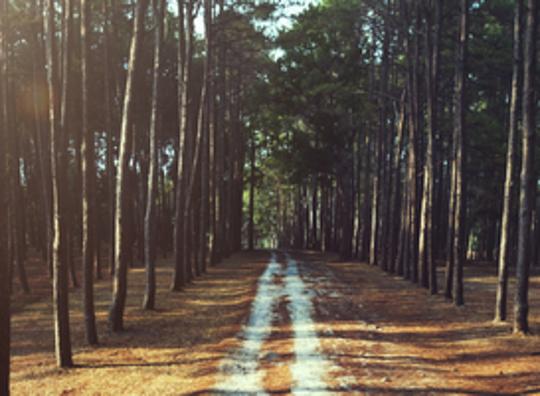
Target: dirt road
{"points": [[319, 328], [296, 323]]}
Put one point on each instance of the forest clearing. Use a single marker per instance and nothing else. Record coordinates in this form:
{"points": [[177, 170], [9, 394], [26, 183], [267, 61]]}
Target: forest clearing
{"points": [[249, 197], [415, 344]]}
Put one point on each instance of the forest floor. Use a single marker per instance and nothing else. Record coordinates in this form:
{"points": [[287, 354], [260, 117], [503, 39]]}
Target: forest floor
{"points": [[298, 323]]}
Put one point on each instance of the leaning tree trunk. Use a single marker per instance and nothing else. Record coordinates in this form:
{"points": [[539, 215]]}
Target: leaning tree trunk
{"points": [[121, 243], [528, 184], [60, 281], [88, 184], [509, 184]]}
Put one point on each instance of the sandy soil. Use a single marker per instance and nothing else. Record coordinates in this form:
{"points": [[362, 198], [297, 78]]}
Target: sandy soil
{"points": [[354, 328]]}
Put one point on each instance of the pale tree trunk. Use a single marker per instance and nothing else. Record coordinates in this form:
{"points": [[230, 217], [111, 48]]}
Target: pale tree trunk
{"points": [[528, 182], [60, 282], [511, 160], [459, 240], [116, 313], [88, 184], [150, 215]]}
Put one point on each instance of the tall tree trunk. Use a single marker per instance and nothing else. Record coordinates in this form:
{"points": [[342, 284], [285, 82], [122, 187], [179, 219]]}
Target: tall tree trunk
{"points": [[60, 281], [364, 219], [395, 191], [88, 183], [149, 218], [211, 121], [16, 218], [414, 46], [509, 184], [41, 142], [193, 128], [428, 268], [435, 69], [109, 126], [4, 259], [459, 240], [116, 313], [386, 142], [528, 181], [205, 179], [70, 221], [375, 168], [220, 237], [179, 276], [251, 225], [449, 271]]}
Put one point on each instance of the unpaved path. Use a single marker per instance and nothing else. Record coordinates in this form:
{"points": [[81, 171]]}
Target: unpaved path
{"points": [[319, 327], [311, 369], [302, 323]]}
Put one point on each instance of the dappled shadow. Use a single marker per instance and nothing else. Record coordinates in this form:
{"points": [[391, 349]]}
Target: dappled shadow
{"points": [[188, 334]]}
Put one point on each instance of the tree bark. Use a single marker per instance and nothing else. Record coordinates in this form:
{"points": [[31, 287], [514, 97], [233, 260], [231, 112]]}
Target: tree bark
{"points": [[251, 225], [5, 309], [41, 141], [396, 191], [527, 178], [427, 265], [205, 180], [70, 217], [459, 240], [179, 276], [88, 183], [149, 218], [109, 126], [116, 313], [60, 281], [511, 160]]}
